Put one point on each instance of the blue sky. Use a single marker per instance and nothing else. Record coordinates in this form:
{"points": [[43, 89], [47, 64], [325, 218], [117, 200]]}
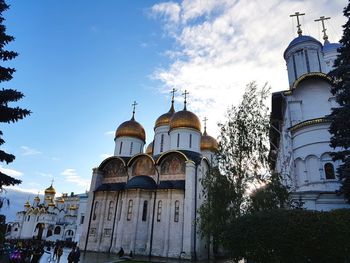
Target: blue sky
{"points": [[82, 63]]}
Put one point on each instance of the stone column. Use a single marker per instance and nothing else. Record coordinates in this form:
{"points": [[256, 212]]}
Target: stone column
{"points": [[102, 219], [188, 234], [168, 220]]}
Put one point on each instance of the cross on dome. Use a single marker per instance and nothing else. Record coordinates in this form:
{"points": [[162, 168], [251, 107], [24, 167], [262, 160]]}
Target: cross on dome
{"points": [[185, 94], [205, 125], [297, 14], [173, 94], [322, 19], [133, 109]]}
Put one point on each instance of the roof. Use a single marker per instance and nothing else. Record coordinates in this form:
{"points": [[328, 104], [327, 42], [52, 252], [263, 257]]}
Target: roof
{"points": [[110, 187], [299, 40], [328, 47], [141, 182]]}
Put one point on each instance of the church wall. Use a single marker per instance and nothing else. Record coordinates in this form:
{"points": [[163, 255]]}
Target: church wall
{"points": [[159, 146], [129, 146], [184, 140]]}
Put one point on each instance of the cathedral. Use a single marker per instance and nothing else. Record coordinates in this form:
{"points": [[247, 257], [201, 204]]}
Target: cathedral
{"points": [[146, 202], [50, 219], [299, 136]]}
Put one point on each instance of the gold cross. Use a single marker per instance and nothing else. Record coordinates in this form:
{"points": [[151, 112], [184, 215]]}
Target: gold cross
{"points": [[173, 94], [185, 94], [322, 19], [205, 124], [297, 14], [133, 108]]}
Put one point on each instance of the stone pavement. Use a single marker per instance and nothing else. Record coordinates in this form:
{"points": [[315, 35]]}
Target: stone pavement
{"points": [[89, 257]]}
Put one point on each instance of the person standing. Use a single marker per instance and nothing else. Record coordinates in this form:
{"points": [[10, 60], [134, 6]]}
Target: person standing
{"points": [[59, 253], [71, 255], [46, 256], [76, 255]]}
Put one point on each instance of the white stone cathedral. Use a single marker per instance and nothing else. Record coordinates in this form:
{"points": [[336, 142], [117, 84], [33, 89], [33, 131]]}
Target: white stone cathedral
{"points": [[299, 133], [146, 202], [53, 218]]}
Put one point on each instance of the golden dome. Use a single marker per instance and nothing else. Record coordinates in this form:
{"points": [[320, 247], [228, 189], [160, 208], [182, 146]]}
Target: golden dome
{"points": [[37, 199], [131, 128], [27, 205], [72, 207], [51, 203], [208, 143], [149, 149], [165, 118], [185, 119], [50, 190], [60, 200]]}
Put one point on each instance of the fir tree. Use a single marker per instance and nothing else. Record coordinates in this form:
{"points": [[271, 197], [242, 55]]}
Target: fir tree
{"points": [[340, 117], [7, 114]]}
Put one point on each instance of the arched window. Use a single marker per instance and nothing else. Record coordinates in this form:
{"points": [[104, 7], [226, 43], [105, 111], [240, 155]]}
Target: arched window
{"points": [[190, 141], [144, 211], [69, 233], [120, 147], [131, 146], [49, 233], [95, 211], [178, 139], [329, 171], [57, 230], [159, 211], [161, 142], [110, 210], [176, 212], [129, 210]]}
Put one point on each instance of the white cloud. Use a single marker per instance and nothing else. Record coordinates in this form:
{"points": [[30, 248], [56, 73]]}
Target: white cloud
{"points": [[26, 190], [221, 45], [72, 177], [10, 172], [109, 133], [29, 151]]}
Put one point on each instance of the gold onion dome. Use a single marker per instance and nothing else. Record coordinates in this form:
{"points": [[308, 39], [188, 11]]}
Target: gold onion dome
{"points": [[50, 190], [27, 205], [37, 199], [131, 128], [149, 149], [185, 119], [208, 143], [51, 203], [60, 200], [165, 118]]}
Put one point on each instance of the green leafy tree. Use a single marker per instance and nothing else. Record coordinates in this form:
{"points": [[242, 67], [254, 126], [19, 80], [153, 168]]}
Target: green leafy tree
{"points": [[340, 121], [272, 195], [241, 162], [8, 114]]}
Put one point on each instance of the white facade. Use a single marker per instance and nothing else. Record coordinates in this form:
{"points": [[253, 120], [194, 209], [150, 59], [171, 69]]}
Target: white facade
{"points": [[299, 134], [53, 219], [147, 203]]}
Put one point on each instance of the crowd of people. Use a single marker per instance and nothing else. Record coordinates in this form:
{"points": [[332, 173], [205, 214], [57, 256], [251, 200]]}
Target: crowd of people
{"points": [[35, 251]]}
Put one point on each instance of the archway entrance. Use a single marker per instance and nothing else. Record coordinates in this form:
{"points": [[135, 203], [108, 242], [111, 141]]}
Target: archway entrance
{"points": [[40, 228]]}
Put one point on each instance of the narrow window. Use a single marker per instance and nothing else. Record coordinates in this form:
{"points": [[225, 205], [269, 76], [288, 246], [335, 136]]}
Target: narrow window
{"points": [[82, 219], [190, 140], [177, 209], [57, 230], [120, 210], [161, 142], [120, 147], [159, 211], [110, 210], [95, 211], [144, 211], [329, 171], [178, 139], [131, 145], [129, 210]]}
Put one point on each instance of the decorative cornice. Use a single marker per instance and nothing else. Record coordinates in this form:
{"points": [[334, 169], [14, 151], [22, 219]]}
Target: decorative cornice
{"points": [[310, 75], [308, 123]]}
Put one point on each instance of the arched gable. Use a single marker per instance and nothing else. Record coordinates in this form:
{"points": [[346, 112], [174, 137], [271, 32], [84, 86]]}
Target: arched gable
{"points": [[113, 166], [142, 164], [311, 75], [172, 162]]}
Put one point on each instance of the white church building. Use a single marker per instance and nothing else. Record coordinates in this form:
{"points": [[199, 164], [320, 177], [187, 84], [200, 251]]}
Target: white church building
{"points": [[50, 219], [299, 134], [146, 202]]}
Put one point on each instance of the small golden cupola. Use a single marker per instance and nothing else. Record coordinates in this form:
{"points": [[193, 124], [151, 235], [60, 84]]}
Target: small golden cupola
{"points": [[165, 118], [131, 128], [185, 119], [208, 143], [50, 190], [37, 199], [27, 204], [149, 149]]}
